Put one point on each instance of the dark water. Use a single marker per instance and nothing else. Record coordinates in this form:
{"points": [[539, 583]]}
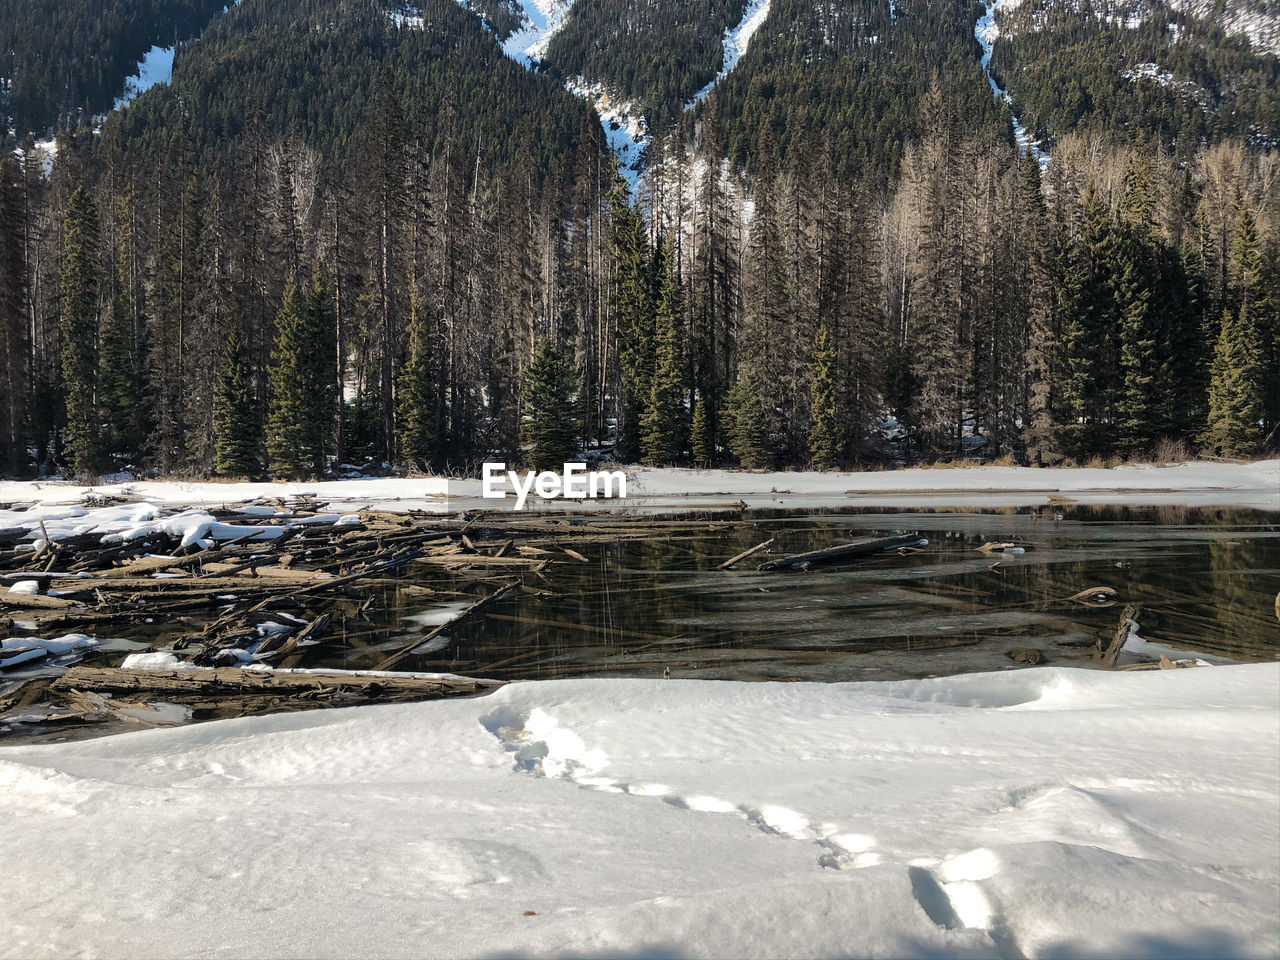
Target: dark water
{"points": [[1207, 581]]}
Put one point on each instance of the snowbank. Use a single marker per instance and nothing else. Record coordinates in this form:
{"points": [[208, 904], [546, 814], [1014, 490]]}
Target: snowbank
{"points": [[1191, 484], [1035, 812]]}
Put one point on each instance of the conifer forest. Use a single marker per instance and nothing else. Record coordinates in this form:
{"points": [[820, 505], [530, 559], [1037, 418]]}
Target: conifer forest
{"points": [[358, 234]]}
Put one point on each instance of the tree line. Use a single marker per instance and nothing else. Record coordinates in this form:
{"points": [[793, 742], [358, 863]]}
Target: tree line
{"points": [[415, 310]]}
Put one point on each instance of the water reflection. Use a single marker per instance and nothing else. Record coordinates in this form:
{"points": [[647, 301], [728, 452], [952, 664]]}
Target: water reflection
{"points": [[1206, 579]]}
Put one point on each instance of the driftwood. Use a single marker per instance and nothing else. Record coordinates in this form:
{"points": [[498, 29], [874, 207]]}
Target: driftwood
{"points": [[759, 547], [1127, 616], [845, 551], [238, 682]]}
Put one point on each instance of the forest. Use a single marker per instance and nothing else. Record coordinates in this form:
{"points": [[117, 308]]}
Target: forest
{"points": [[392, 248]]}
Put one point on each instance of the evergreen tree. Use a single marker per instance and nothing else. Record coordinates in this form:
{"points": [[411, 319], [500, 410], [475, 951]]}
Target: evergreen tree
{"points": [[1134, 278], [744, 427], [1089, 373], [632, 308], [321, 366], [416, 396], [700, 437], [664, 430], [549, 425], [237, 431], [291, 447], [1250, 296], [1041, 434], [79, 328], [824, 427], [1235, 388], [121, 384]]}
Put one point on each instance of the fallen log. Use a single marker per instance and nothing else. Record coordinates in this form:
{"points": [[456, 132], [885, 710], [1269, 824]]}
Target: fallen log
{"points": [[845, 551], [202, 682], [746, 553]]}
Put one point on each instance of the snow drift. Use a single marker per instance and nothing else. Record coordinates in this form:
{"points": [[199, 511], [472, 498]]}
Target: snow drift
{"points": [[1043, 812]]}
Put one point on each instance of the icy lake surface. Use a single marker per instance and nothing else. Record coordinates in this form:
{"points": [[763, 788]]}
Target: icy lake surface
{"points": [[1206, 580]]}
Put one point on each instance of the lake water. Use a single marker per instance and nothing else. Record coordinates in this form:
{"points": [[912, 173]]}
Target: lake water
{"points": [[1207, 580]]}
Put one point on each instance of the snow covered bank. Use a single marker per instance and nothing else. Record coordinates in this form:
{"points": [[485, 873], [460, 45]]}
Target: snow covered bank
{"points": [[1190, 484], [1037, 812]]}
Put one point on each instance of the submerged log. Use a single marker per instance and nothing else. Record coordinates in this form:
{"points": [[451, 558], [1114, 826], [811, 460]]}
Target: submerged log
{"points": [[501, 593], [845, 551], [746, 553]]}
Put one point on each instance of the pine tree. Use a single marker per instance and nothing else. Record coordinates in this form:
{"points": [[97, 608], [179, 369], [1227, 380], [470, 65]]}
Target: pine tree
{"points": [[290, 436], [549, 426], [664, 430], [1133, 280], [416, 396], [79, 327], [120, 386], [744, 426], [632, 308], [1090, 366], [15, 339], [321, 366], [1041, 434], [824, 426], [700, 438], [1235, 388], [237, 432]]}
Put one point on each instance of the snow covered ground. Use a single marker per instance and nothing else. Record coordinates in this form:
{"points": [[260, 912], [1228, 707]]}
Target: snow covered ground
{"points": [[1038, 812], [1190, 484]]}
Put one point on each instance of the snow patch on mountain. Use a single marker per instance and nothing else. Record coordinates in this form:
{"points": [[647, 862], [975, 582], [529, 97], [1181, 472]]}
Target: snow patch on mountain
{"points": [[736, 39], [407, 18], [1258, 21], [1158, 74], [542, 18], [625, 127], [986, 31], [156, 66]]}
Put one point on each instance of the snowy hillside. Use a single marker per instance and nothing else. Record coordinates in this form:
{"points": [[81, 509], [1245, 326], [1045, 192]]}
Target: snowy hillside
{"points": [[1046, 812]]}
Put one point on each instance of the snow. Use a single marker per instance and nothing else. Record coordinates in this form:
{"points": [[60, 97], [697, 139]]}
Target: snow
{"points": [[407, 18], [542, 18], [987, 31], [1036, 812], [736, 40], [625, 128], [156, 66], [671, 488]]}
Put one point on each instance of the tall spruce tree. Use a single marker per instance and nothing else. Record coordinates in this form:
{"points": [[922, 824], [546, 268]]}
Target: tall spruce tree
{"points": [[664, 429], [292, 449], [79, 328], [633, 309], [1041, 432], [416, 396], [550, 422], [824, 425], [700, 438], [1134, 278], [237, 429], [744, 422], [1235, 388]]}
